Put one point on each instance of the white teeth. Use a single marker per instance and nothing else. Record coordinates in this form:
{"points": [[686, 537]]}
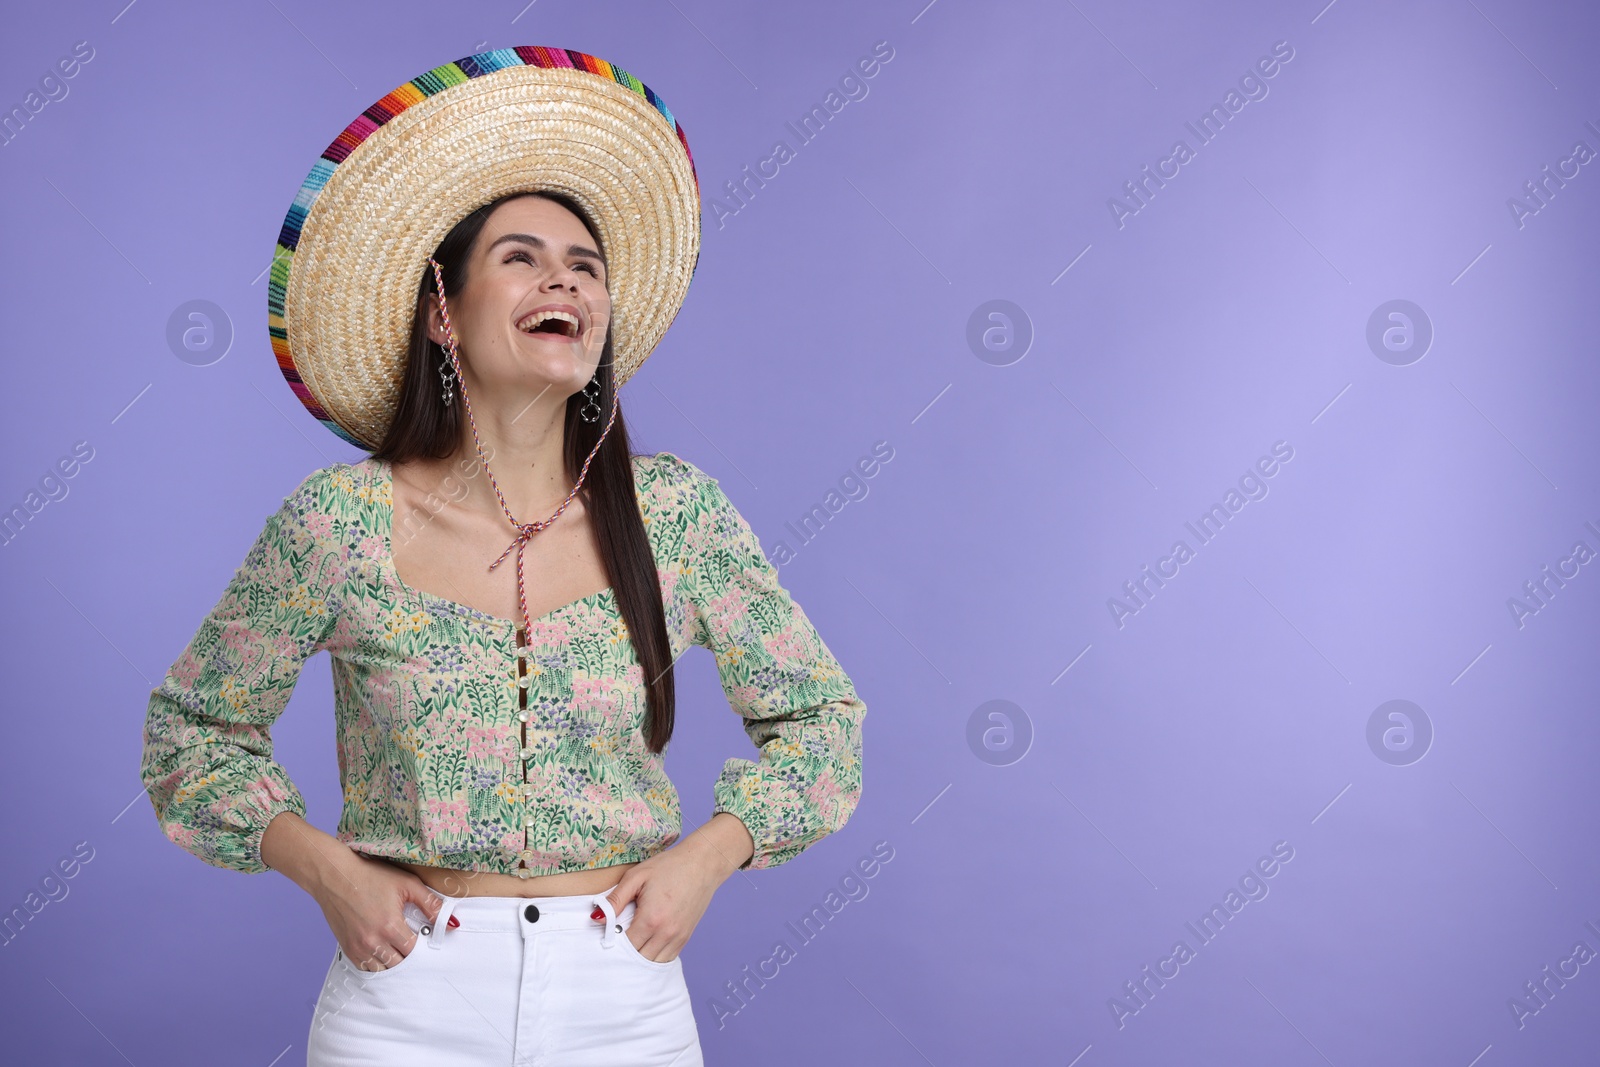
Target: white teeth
{"points": [[531, 323]]}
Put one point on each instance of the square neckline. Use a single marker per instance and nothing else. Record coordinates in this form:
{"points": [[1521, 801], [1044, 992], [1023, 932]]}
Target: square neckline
{"points": [[385, 507]]}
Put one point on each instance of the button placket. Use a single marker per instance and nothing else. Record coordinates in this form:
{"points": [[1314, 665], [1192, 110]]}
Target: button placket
{"points": [[523, 681]]}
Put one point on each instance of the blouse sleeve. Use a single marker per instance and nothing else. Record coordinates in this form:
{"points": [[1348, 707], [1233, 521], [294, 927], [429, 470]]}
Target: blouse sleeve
{"points": [[207, 762], [798, 706]]}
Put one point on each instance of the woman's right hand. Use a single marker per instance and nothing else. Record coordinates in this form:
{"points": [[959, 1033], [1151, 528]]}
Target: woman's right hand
{"points": [[362, 897], [365, 909]]}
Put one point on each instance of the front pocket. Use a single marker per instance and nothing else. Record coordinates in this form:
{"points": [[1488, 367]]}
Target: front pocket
{"points": [[633, 953], [420, 948]]}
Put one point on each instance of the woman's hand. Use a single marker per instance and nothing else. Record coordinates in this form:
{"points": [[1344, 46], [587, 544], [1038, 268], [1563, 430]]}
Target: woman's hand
{"points": [[363, 898], [671, 890], [366, 911]]}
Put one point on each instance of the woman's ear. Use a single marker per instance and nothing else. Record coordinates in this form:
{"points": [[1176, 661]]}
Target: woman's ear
{"points": [[436, 330], [600, 327]]}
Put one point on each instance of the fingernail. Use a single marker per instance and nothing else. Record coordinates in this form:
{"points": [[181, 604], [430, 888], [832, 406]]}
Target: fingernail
{"points": [[598, 914], [454, 922]]}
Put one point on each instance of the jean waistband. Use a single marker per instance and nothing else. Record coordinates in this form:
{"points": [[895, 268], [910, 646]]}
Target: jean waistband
{"points": [[532, 915]]}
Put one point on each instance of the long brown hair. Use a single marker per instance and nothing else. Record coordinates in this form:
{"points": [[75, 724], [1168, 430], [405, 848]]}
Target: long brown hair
{"points": [[425, 428]]}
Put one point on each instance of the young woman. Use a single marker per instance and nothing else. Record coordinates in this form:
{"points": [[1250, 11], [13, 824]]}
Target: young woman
{"points": [[469, 275]]}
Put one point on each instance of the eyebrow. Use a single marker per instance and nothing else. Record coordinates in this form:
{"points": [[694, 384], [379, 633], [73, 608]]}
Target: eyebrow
{"points": [[539, 243]]}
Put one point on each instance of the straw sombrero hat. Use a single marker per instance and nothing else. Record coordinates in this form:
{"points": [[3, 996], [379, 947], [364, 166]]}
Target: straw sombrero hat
{"points": [[382, 196]]}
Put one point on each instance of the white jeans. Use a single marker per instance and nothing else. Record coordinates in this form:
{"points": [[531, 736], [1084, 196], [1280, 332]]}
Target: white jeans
{"points": [[522, 982]]}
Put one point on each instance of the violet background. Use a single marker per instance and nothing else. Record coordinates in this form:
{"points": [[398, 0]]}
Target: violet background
{"points": [[832, 312]]}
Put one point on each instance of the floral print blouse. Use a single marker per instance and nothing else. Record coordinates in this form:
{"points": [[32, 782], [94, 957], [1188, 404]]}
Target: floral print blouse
{"points": [[464, 742]]}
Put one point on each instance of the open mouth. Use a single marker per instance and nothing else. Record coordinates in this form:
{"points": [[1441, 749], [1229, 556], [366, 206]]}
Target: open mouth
{"points": [[551, 324]]}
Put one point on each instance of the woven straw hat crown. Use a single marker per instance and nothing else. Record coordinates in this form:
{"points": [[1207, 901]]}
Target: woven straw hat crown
{"points": [[356, 241]]}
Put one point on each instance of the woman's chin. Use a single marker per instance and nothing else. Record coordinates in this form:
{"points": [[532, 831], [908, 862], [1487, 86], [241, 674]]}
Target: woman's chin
{"points": [[544, 365]]}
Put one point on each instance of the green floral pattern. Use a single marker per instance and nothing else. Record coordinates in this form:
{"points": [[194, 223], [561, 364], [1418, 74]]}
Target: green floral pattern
{"points": [[435, 764]]}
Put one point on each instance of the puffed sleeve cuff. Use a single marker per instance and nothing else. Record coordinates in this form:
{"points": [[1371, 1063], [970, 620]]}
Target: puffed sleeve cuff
{"points": [[222, 818], [806, 785]]}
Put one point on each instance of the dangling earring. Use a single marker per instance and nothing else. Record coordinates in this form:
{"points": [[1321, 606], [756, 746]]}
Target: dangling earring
{"points": [[447, 383], [592, 401]]}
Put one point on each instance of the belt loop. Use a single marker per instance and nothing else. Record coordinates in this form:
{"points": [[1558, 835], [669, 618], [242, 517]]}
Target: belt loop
{"points": [[436, 937], [611, 924]]}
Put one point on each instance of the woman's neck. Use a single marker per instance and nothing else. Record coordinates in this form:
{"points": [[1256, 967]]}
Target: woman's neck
{"points": [[527, 460]]}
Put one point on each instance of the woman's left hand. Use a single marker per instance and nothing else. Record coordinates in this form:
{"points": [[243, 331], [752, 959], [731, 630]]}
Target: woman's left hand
{"points": [[671, 890]]}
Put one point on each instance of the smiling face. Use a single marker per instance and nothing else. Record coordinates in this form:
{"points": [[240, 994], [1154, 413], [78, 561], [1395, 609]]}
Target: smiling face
{"points": [[531, 319]]}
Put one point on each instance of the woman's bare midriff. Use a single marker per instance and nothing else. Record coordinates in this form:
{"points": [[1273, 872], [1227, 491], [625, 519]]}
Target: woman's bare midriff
{"points": [[453, 883]]}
